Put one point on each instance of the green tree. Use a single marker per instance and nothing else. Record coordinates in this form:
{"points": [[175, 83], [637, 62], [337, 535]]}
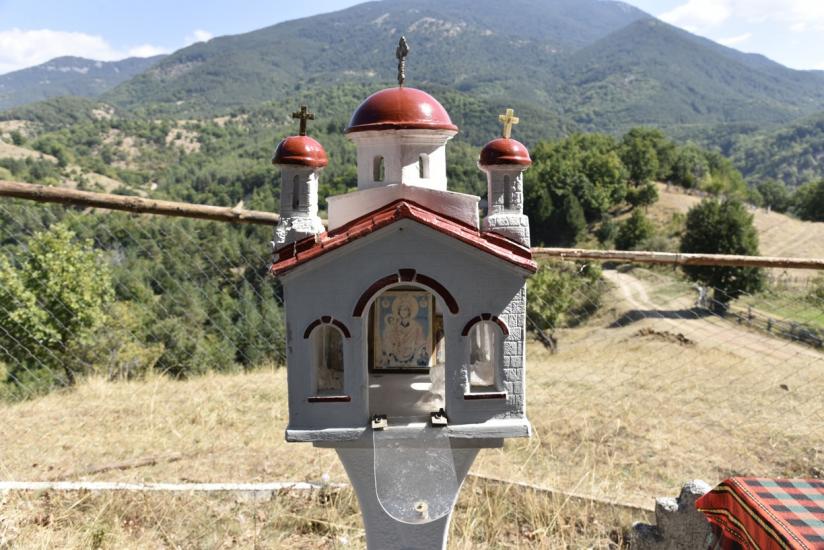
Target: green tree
{"points": [[643, 195], [775, 195], [690, 167], [51, 302], [17, 138], [725, 227], [809, 201], [569, 222], [633, 231], [640, 158]]}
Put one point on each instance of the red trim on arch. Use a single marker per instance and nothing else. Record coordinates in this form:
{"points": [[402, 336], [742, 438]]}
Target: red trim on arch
{"points": [[312, 326], [450, 301], [429, 282], [327, 320], [376, 287], [485, 317], [407, 275], [342, 328]]}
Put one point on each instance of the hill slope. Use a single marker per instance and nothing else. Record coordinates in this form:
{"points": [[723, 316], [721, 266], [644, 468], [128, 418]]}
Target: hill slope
{"points": [[653, 73], [74, 76]]}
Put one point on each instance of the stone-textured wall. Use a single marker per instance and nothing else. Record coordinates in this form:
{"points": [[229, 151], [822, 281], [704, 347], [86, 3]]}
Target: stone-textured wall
{"points": [[507, 222], [679, 525], [514, 374]]}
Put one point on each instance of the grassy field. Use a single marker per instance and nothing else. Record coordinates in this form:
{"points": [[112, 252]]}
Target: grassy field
{"points": [[639, 400], [778, 234]]}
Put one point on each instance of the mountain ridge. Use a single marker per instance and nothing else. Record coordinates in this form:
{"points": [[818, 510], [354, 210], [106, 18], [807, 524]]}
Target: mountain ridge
{"points": [[68, 75]]}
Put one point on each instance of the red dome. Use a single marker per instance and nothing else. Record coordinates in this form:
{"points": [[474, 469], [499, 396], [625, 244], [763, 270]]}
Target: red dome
{"points": [[504, 151], [400, 109], [300, 150]]}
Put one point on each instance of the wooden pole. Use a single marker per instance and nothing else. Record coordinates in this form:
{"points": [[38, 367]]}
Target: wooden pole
{"points": [[669, 258], [137, 205]]}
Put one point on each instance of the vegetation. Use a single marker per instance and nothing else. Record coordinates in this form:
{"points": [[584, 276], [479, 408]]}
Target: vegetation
{"points": [[147, 298], [51, 303], [809, 201], [561, 295], [634, 231], [722, 227], [791, 154]]}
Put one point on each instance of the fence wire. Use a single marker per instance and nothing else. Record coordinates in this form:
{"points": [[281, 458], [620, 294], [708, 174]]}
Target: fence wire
{"points": [[182, 297], [638, 379]]}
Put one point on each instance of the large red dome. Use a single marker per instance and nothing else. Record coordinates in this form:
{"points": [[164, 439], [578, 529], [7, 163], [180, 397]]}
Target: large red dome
{"points": [[301, 150], [400, 109], [504, 151]]}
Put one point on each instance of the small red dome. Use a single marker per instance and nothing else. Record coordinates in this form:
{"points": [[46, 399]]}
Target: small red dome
{"points": [[300, 150], [505, 151], [400, 109]]}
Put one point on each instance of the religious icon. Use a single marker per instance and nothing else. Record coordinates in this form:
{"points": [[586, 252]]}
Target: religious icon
{"points": [[403, 330]]}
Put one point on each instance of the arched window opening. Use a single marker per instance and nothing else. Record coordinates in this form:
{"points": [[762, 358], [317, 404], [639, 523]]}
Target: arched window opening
{"points": [[378, 169], [327, 359], [507, 193], [484, 356], [423, 167], [296, 192]]}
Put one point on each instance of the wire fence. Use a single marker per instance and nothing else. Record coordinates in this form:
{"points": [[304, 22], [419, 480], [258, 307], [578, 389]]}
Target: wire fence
{"points": [[181, 297], [638, 379]]}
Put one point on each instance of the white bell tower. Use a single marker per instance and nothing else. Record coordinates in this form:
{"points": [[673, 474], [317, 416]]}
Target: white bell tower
{"points": [[301, 160]]}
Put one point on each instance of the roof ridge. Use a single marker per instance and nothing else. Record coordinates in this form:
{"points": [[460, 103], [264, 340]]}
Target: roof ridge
{"points": [[313, 246]]}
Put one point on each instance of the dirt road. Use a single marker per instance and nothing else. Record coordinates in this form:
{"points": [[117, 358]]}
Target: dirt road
{"points": [[709, 331]]}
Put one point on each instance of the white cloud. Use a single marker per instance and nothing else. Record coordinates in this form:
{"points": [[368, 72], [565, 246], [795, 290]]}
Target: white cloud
{"points": [[146, 50], [198, 35], [733, 40], [25, 48], [701, 14]]}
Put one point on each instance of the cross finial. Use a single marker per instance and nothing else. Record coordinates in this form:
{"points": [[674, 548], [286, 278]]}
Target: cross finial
{"points": [[509, 120], [303, 115], [401, 53]]}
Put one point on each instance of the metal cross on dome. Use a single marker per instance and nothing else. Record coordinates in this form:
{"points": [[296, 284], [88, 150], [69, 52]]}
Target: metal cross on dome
{"points": [[401, 53], [509, 120], [304, 115]]}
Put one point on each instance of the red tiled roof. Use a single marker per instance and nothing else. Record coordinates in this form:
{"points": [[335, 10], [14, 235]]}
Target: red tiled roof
{"points": [[308, 249]]}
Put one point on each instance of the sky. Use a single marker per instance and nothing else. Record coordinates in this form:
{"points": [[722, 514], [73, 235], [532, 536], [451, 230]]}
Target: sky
{"points": [[34, 31]]}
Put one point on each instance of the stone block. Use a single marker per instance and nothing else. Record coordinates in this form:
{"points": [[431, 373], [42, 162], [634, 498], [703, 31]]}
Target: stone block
{"points": [[679, 525]]}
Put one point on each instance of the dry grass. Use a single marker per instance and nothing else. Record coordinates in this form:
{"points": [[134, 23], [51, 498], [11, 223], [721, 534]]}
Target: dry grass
{"points": [[619, 413], [10, 151], [487, 516], [778, 234]]}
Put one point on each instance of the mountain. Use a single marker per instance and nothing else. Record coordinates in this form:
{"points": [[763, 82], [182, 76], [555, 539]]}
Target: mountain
{"points": [[483, 47], [68, 76], [600, 65], [655, 74], [594, 65]]}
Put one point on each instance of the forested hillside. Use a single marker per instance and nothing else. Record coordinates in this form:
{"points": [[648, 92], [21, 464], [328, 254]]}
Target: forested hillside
{"points": [[793, 154]]}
